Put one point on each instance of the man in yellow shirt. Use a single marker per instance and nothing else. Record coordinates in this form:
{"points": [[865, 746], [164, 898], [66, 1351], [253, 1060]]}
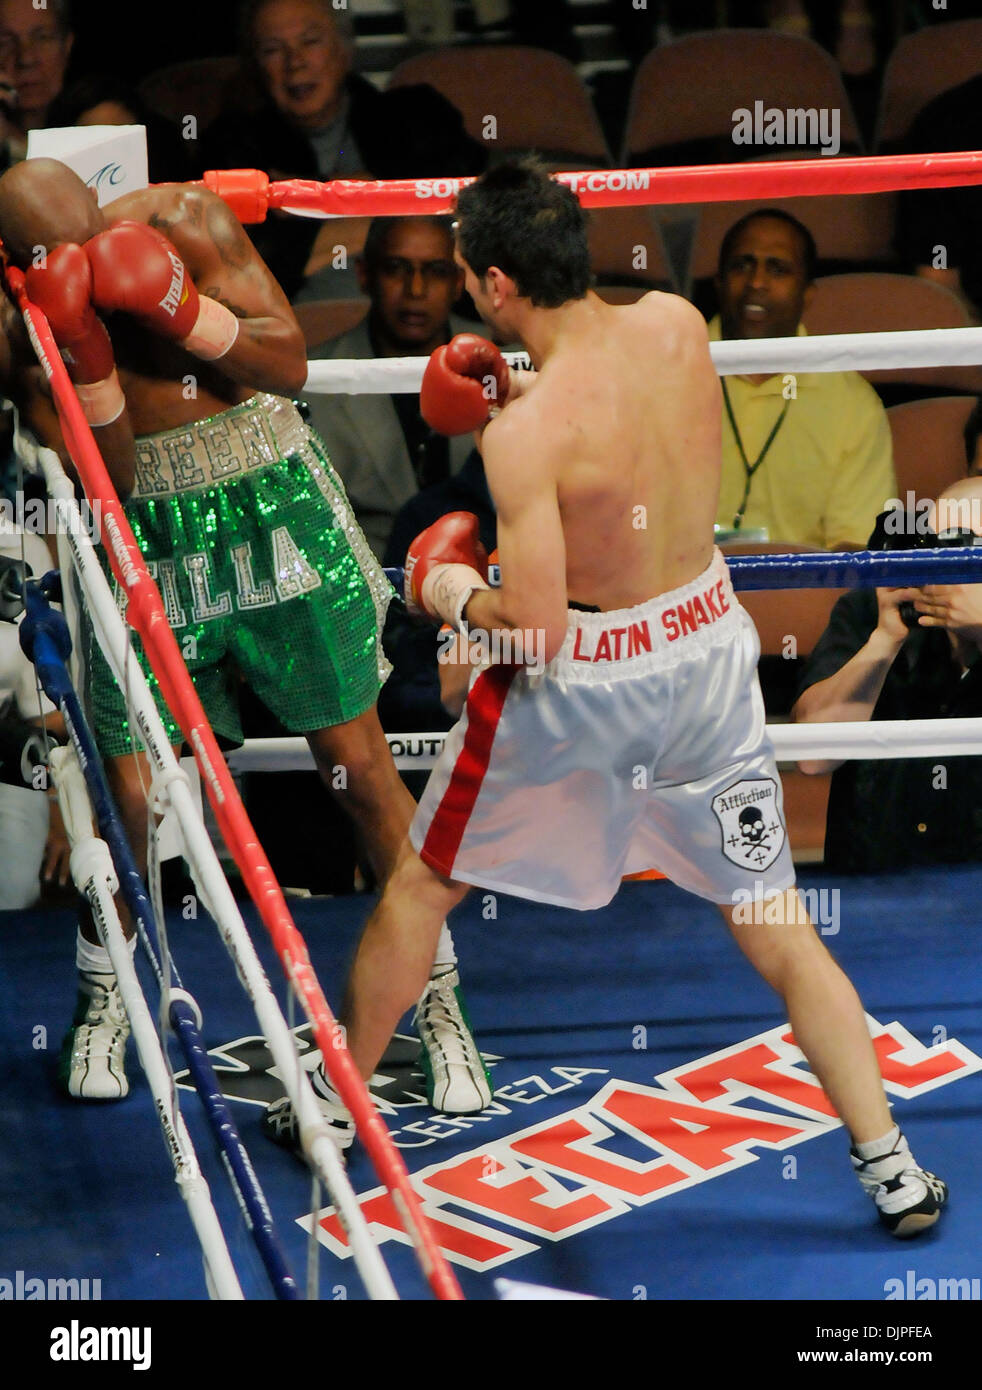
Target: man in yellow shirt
{"points": [[807, 456]]}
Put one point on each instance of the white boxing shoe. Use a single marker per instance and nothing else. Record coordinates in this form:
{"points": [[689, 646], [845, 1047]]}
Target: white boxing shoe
{"points": [[457, 1081], [92, 1061]]}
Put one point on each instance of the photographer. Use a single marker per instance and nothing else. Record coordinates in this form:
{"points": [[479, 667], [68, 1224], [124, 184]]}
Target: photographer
{"points": [[903, 654]]}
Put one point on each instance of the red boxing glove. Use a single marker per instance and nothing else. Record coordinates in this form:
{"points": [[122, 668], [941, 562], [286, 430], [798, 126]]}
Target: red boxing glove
{"points": [[62, 288], [136, 270], [462, 381], [446, 563]]}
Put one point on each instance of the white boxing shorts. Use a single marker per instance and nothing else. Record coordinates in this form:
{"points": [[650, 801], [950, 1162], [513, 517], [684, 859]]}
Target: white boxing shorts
{"points": [[641, 745]]}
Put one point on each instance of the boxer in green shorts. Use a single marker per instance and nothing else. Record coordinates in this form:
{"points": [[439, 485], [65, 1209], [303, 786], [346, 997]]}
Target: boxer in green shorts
{"points": [[263, 572], [170, 325]]}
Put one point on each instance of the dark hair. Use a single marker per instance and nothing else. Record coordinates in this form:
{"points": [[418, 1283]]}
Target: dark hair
{"points": [[973, 428], [90, 90], [381, 228], [777, 215], [519, 218], [61, 10]]}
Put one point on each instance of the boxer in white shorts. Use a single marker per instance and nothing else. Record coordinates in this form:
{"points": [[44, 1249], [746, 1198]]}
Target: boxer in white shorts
{"points": [[642, 742], [604, 467]]}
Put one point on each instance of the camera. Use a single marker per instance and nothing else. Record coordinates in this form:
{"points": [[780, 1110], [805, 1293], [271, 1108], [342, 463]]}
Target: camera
{"points": [[915, 535]]}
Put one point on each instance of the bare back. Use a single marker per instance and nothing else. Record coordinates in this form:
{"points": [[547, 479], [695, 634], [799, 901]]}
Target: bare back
{"points": [[633, 400]]}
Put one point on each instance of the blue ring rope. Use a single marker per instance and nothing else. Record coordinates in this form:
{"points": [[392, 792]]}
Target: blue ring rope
{"points": [[855, 569]]}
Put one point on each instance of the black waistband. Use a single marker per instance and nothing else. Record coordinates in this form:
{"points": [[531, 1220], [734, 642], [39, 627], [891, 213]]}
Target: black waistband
{"points": [[582, 607]]}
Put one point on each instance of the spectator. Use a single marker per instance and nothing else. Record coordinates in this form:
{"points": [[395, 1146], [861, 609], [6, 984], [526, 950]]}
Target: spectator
{"points": [[891, 813], [807, 456], [35, 46], [380, 445], [940, 229], [320, 120], [29, 837], [104, 99]]}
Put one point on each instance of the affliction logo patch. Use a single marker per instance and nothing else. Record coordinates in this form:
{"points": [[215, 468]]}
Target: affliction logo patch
{"points": [[751, 824]]}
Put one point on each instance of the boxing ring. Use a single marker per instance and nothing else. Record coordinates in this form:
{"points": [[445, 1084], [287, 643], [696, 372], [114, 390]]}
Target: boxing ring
{"points": [[533, 1194]]}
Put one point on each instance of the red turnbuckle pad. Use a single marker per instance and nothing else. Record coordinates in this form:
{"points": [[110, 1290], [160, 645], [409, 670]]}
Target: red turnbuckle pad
{"points": [[246, 191]]}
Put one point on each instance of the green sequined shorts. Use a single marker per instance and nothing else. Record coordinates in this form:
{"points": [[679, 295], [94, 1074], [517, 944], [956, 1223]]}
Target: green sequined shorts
{"points": [[264, 574]]}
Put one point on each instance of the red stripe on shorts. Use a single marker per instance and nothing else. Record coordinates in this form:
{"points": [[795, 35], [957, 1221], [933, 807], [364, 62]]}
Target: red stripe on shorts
{"points": [[484, 705]]}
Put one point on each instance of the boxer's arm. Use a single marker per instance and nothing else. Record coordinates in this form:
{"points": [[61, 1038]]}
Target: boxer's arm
{"points": [[269, 352], [454, 669], [521, 475]]}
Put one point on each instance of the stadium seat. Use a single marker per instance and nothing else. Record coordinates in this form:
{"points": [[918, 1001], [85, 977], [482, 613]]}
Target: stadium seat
{"points": [[197, 88], [336, 234], [537, 99], [685, 93], [881, 303], [626, 248], [929, 443], [780, 614], [621, 294], [924, 64]]}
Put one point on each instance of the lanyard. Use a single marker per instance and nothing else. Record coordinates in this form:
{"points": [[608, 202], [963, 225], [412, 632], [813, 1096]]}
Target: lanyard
{"points": [[750, 468]]}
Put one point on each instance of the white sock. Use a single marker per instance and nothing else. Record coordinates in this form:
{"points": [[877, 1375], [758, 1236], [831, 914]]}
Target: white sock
{"points": [[94, 960], [446, 956], [877, 1148]]}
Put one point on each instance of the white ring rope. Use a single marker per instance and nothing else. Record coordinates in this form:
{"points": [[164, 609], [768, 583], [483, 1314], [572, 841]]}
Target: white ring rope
{"points": [[834, 352], [212, 885], [95, 877], [885, 738]]}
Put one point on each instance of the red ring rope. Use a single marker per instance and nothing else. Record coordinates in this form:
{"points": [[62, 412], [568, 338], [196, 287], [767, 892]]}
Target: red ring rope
{"points": [[250, 194]]}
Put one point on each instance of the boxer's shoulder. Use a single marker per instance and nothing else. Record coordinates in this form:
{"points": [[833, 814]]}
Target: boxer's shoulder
{"points": [[528, 435], [672, 312], [163, 206], [198, 223]]}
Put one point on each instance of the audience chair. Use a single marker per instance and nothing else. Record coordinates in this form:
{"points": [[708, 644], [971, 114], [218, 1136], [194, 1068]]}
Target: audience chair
{"points": [[537, 99]]}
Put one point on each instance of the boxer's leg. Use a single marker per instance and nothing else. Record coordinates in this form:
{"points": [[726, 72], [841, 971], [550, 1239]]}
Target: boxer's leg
{"points": [[392, 967], [379, 803], [395, 956], [829, 1026], [92, 1059], [824, 1010], [371, 790]]}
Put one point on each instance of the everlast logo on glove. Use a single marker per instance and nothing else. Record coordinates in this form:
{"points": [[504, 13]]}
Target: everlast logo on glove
{"points": [[177, 293]]}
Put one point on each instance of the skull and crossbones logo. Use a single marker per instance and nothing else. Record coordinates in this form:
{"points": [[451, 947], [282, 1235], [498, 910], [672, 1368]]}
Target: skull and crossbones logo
{"points": [[753, 833], [752, 828]]}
